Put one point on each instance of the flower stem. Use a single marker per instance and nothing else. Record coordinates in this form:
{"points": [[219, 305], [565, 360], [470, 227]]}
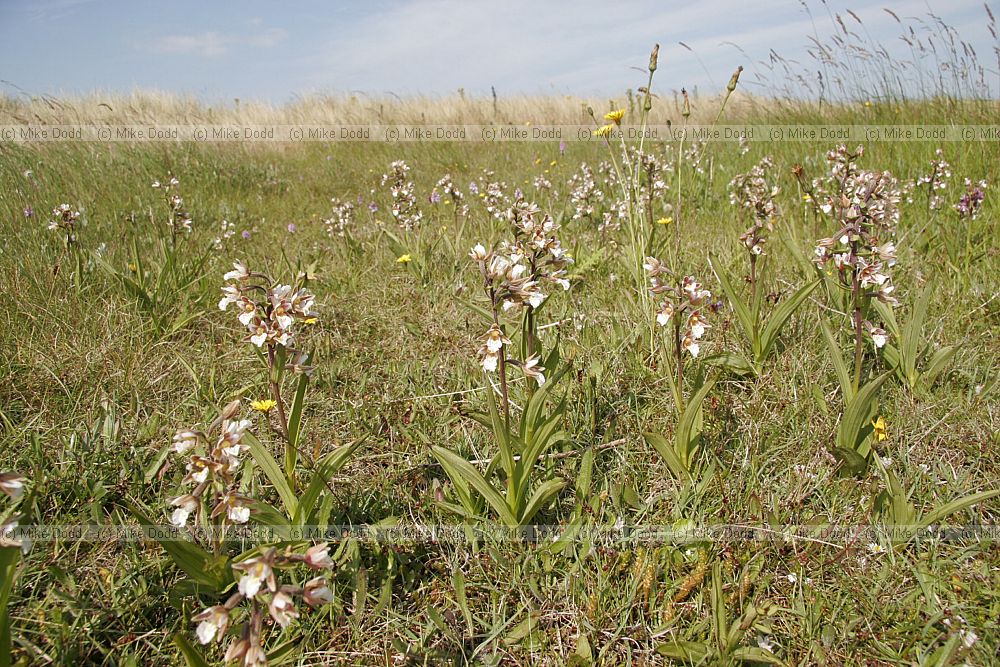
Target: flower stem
{"points": [[276, 395]]}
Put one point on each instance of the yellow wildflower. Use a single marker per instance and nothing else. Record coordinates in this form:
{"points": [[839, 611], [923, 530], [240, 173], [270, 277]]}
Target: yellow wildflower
{"points": [[615, 116], [665, 221], [310, 320], [881, 430], [404, 259], [265, 405], [553, 163]]}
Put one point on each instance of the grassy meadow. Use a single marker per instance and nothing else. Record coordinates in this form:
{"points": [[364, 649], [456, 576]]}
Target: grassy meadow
{"points": [[113, 340]]}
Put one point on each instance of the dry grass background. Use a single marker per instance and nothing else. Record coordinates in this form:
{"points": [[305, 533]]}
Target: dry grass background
{"points": [[169, 109]]}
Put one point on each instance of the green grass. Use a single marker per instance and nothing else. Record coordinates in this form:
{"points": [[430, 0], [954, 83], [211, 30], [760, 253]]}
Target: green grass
{"points": [[93, 392]]}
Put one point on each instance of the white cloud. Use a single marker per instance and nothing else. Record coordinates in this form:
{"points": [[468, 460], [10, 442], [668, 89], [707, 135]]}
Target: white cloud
{"points": [[583, 46], [211, 43]]}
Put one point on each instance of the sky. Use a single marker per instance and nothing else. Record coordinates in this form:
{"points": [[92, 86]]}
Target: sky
{"points": [[277, 52]]}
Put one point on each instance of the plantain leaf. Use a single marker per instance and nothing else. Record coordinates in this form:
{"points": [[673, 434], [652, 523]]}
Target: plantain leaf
{"points": [[687, 652], [910, 343], [779, 317], [943, 512], [732, 362], [665, 448], [273, 472], [739, 306], [192, 656], [755, 654], [295, 425], [719, 617], [458, 583], [542, 495], [585, 474], [843, 375], [201, 566], [326, 468], [938, 362], [851, 462], [853, 426], [686, 437], [903, 512], [458, 468]]}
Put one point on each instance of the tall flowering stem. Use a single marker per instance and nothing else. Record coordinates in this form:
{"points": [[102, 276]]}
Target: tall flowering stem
{"points": [[682, 307], [968, 208], [513, 277], [273, 313], [178, 219], [753, 193], [865, 208], [535, 245], [65, 221], [629, 169], [214, 458], [404, 207]]}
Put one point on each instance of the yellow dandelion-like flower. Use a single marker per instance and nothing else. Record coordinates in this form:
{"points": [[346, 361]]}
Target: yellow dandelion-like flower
{"points": [[615, 116], [665, 221], [553, 163], [265, 405], [132, 267], [604, 131], [538, 160], [806, 198], [404, 259], [310, 320], [881, 430]]}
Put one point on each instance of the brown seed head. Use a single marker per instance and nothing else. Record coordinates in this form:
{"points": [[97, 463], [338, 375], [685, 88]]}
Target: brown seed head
{"points": [[734, 79], [653, 57]]}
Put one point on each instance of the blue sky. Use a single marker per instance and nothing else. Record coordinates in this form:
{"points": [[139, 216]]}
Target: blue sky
{"points": [[277, 51]]}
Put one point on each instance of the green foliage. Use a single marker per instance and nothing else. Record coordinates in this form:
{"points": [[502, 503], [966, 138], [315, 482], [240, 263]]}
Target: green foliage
{"points": [[9, 559], [761, 334], [681, 455], [897, 510], [510, 486], [916, 365], [202, 566], [93, 392], [162, 284], [728, 635], [855, 428]]}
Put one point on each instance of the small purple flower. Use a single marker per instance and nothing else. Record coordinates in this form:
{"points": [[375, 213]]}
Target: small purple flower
{"points": [[518, 194], [28, 211], [361, 200], [246, 234], [473, 188], [435, 197], [373, 207], [562, 147], [292, 228], [970, 203]]}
